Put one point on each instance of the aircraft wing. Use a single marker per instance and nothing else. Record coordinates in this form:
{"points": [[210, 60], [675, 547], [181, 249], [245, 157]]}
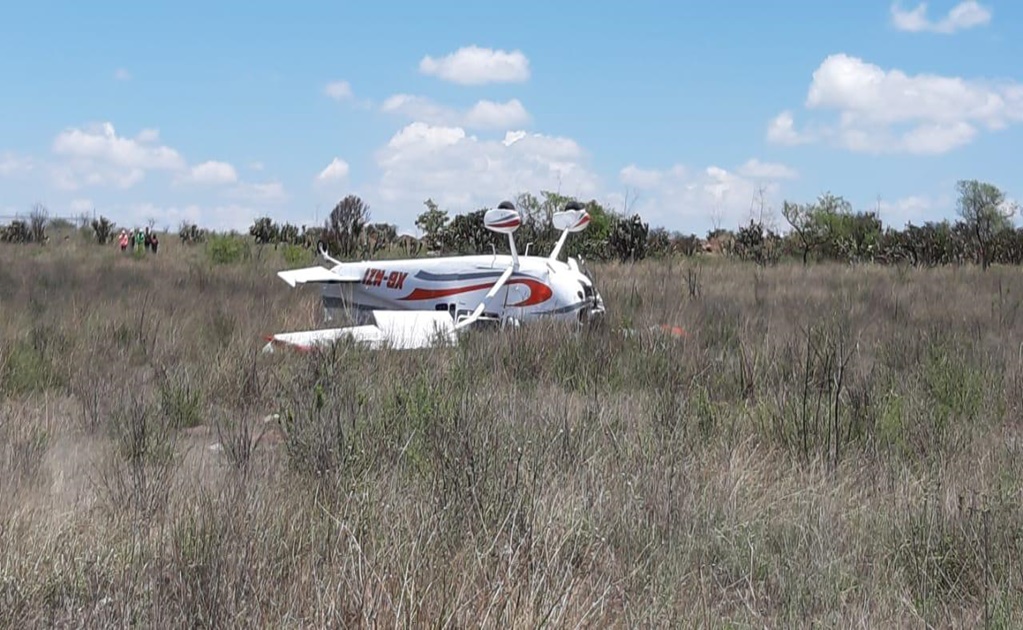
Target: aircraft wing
{"points": [[401, 330], [315, 274]]}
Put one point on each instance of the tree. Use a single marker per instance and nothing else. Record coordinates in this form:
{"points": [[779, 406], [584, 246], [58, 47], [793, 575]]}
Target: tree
{"points": [[103, 228], [288, 233], [985, 213], [628, 238], [38, 219], [817, 224], [801, 218], [264, 230], [432, 223], [343, 227]]}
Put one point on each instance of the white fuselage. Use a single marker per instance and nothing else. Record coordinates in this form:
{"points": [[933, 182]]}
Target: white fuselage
{"points": [[538, 288]]}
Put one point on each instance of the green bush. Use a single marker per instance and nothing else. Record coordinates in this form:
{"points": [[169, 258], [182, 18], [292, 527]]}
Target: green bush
{"points": [[225, 249], [296, 255]]}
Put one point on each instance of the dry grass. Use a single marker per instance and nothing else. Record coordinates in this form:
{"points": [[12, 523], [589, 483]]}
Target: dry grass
{"points": [[829, 446]]}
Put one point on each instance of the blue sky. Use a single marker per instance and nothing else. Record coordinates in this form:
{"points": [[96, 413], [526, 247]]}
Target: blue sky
{"points": [[220, 113]]}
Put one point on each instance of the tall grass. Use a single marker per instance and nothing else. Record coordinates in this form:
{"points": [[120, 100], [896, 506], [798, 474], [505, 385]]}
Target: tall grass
{"points": [[828, 445]]}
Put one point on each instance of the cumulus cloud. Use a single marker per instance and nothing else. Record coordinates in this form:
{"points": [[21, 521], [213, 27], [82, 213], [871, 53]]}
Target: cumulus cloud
{"points": [[465, 172], [96, 155], [962, 16], [491, 115], [336, 170], [101, 143], [12, 164], [890, 111], [81, 205], [756, 169], [474, 65], [915, 209], [212, 172], [259, 193], [694, 201], [484, 114], [782, 130], [339, 91], [214, 216]]}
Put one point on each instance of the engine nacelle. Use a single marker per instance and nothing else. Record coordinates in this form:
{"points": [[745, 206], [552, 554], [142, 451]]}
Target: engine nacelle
{"points": [[504, 219]]}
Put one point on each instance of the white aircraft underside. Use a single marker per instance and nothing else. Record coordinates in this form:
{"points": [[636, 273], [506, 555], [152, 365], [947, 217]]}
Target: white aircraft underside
{"points": [[417, 303]]}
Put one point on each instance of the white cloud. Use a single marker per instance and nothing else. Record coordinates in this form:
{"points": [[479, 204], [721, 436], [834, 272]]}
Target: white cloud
{"points": [[633, 175], [483, 115], [756, 169], [78, 175], [463, 172], [79, 206], [97, 156], [212, 172], [122, 75], [473, 65], [916, 209], [696, 201], [889, 111], [339, 91], [12, 164], [101, 143], [262, 193], [214, 217], [490, 115], [782, 130], [336, 170], [148, 135], [962, 16], [420, 108]]}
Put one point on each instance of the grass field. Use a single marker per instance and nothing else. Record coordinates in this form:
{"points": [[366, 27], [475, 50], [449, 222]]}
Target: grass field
{"points": [[830, 446]]}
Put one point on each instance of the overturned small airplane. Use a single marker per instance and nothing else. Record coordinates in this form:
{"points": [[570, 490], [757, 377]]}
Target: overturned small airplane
{"points": [[423, 302]]}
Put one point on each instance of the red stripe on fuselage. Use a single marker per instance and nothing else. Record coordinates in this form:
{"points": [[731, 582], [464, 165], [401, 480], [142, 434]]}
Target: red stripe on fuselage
{"points": [[538, 292], [432, 294]]}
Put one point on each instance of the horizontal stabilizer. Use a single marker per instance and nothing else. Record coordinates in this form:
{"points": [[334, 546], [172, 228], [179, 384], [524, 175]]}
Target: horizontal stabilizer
{"points": [[402, 330], [316, 274]]}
